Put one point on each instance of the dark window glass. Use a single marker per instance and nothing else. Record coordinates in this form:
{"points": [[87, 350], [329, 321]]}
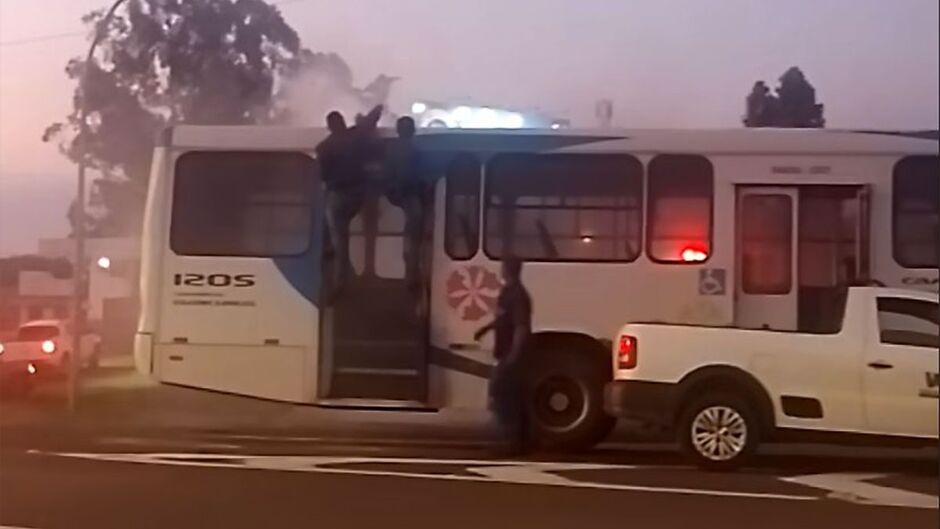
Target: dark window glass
{"points": [[564, 207], [908, 322], [767, 240], [916, 226], [680, 208], [37, 333], [248, 204], [462, 209]]}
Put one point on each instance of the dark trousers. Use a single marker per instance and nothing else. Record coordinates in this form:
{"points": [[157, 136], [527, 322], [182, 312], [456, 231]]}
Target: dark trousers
{"points": [[341, 207], [507, 397]]}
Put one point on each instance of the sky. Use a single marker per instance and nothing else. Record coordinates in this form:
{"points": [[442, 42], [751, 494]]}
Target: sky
{"points": [[664, 63]]}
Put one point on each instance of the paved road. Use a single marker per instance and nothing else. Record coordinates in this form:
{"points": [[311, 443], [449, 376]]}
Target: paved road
{"points": [[51, 479]]}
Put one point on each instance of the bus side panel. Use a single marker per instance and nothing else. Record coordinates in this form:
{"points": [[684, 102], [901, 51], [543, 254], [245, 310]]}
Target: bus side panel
{"points": [[153, 242], [243, 325]]}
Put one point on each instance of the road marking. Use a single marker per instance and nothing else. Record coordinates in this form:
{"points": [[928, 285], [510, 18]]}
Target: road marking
{"points": [[487, 471], [855, 488], [139, 441]]}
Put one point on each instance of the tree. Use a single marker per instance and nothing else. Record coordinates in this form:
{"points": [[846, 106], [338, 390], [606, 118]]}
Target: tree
{"points": [[793, 106], [163, 62]]}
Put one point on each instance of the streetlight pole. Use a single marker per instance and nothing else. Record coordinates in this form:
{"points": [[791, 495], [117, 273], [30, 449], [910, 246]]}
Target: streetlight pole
{"points": [[80, 271]]}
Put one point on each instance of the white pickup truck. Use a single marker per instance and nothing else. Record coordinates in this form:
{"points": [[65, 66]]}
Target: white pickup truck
{"points": [[40, 348], [722, 391]]}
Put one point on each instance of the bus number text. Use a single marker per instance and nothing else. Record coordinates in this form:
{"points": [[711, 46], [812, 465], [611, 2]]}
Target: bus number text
{"points": [[214, 280]]}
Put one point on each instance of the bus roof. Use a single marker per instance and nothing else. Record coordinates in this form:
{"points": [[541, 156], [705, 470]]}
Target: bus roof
{"points": [[704, 141]]}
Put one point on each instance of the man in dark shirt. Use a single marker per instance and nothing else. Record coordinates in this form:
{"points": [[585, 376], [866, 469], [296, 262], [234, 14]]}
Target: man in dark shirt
{"points": [[512, 326], [406, 190], [343, 156]]}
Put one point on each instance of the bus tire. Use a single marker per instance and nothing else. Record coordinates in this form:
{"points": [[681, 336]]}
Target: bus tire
{"points": [[565, 401], [718, 431]]}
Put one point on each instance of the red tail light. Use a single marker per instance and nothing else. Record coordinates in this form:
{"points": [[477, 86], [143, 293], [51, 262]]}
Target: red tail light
{"points": [[627, 352]]}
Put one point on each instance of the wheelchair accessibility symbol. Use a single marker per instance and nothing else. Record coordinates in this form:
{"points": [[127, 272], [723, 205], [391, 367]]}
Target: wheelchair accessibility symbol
{"points": [[712, 282]]}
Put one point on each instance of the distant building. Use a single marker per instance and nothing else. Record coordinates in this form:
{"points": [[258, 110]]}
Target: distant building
{"points": [[40, 286]]}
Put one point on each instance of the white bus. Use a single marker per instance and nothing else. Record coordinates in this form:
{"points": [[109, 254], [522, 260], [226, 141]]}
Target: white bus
{"points": [[751, 228]]}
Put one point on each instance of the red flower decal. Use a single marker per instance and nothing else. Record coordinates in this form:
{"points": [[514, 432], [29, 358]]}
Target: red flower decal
{"points": [[472, 292]]}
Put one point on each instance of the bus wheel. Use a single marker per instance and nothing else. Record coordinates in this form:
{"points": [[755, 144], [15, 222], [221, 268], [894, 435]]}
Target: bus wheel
{"points": [[565, 401]]}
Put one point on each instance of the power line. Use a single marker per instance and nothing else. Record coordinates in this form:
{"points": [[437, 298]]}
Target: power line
{"points": [[73, 34], [42, 38]]}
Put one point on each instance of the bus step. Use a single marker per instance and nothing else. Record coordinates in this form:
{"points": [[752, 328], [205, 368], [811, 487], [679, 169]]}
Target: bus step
{"points": [[376, 404]]}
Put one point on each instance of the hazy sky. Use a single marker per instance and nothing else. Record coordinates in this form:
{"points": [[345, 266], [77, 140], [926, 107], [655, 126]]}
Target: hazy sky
{"points": [[665, 63]]}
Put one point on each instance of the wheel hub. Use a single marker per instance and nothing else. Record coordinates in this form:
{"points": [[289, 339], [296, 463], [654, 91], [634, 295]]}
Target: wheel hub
{"points": [[560, 403], [719, 433]]}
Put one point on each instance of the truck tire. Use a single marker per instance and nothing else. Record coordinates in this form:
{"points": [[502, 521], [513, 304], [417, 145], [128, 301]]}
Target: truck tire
{"points": [[718, 431], [565, 401]]}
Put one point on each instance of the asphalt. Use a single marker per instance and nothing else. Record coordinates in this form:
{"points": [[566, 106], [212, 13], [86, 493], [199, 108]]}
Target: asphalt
{"points": [[137, 455]]}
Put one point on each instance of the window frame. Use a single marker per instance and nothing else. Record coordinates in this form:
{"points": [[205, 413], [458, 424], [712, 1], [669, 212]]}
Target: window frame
{"points": [[313, 200], [648, 221], [640, 209], [880, 303], [895, 199], [480, 230]]}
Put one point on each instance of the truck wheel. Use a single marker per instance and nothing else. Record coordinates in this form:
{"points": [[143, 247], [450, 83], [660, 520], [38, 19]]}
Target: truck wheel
{"points": [[565, 401], [718, 431]]}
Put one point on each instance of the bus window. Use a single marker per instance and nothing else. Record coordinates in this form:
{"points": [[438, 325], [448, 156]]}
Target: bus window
{"points": [[767, 244], [680, 208], [462, 208], [916, 212], [564, 207], [243, 204]]}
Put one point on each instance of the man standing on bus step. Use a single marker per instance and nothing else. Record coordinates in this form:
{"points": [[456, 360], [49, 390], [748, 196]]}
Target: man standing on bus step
{"points": [[342, 156], [512, 326], [406, 190]]}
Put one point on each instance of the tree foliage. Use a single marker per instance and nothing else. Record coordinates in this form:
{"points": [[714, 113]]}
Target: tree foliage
{"points": [[792, 106], [163, 62]]}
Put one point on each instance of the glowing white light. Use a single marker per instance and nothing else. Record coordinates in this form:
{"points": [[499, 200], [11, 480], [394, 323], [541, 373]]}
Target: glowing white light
{"points": [[513, 120], [31, 369], [462, 115], [418, 108], [587, 239], [2, 349], [104, 263], [48, 347], [486, 118], [556, 126], [691, 255]]}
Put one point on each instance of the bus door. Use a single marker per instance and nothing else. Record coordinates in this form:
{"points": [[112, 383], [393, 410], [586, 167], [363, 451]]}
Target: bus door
{"points": [[374, 331], [798, 248], [766, 220]]}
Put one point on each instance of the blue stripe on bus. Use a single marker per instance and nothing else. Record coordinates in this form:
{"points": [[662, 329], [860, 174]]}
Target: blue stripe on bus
{"points": [[305, 272]]}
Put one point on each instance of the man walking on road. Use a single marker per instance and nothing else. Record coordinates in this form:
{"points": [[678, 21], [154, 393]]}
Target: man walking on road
{"points": [[512, 327]]}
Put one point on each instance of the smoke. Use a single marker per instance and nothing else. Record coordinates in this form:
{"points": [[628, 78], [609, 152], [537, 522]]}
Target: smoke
{"points": [[323, 84]]}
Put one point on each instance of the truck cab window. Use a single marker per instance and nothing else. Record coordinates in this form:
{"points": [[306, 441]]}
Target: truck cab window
{"points": [[911, 322]]}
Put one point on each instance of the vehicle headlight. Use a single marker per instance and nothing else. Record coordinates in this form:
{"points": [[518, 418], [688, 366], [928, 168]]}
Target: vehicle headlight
{"points": [[419, 108], [48, 347], [2, 349]]}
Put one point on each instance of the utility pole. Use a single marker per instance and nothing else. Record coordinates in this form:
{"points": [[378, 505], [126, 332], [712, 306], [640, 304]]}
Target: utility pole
{"points": [[80, 271]]}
